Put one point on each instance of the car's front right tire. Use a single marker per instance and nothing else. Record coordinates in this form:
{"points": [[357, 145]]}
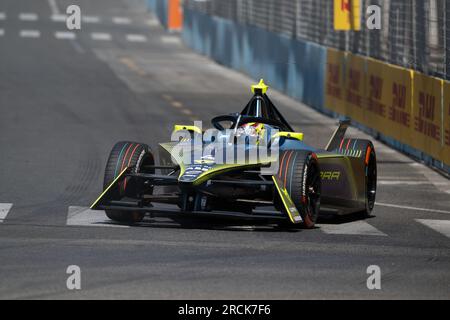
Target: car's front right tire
{"points": [[300, 174]]}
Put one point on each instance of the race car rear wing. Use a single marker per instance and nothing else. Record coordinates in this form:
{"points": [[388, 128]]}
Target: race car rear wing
{"points": [[338, 134]]}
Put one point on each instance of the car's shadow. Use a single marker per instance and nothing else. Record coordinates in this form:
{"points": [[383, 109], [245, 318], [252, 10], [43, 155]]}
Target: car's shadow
{"points": [[243, 226], [325, 218]]}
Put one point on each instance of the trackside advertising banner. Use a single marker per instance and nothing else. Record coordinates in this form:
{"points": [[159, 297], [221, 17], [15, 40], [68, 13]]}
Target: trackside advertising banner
{"points": [[378, 94], [398, 103], [407, 106], [347, 15], [334, 81], [355, 87], [427, 115], [446, 118]]}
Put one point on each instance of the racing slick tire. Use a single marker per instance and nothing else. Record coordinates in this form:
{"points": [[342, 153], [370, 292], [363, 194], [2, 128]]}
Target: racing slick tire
{"points": [[299, 171], [366, 151], [126, 154]]}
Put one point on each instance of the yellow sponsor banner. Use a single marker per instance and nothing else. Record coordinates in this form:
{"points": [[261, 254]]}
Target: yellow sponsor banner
{"points": [[355, 87], [426, 133], [377, 95], [347, 15], [388, 100], [334, 81], [399, 103], [446, 128]]}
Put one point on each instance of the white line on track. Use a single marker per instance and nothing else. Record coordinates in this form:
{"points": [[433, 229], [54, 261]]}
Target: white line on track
{"points": [[410, 208], [409, 182], [28, 16], [2, 32], [441, 226], [30, 33], [101, 36], [65, 35], [90, 19], [136, 38], [77, 46], [351, 228], [82, 216], [59, 17], [4, 209], [152, 22], [2, 16], [121, 20], [170, 39], [53, 7]]}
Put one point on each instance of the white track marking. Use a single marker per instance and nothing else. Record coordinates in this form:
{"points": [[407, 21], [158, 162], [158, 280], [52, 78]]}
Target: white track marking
{"points": [[77, 46], [136, 38], [59, 17], [90, 19], [409, 182], [101, 36], [170, 39], [441, 226], [30, 33], [4, 209], [410, 208], [82, 216], [53, 7], [65, 35], [152, 22], [2, 32], [121, 20], [28, 16], [2, 16], [440, 182], [351, 228]]}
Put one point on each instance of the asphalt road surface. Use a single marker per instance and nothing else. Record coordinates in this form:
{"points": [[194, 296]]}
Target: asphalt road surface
{"points": [[66, 98]]}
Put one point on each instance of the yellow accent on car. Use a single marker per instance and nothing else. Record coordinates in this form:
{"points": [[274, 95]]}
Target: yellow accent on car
{"points": [[180, 127], [330, 175], [222, 167], [109, 187], [289, 135], [289, 205], [260, 86]]}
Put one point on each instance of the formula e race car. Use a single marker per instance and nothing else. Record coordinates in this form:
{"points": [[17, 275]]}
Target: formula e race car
{"points": [[251, 165]]}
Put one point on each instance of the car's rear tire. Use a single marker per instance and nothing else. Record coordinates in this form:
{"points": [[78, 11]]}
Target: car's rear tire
{"points": [[366, 151], [299, 172], [126, 154]]}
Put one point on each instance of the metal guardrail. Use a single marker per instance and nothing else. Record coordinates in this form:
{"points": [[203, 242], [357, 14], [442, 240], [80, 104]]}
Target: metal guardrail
{"points": [[415, 33]]}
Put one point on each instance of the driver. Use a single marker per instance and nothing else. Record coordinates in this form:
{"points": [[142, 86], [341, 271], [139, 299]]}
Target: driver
{"points": [[252, 129]]}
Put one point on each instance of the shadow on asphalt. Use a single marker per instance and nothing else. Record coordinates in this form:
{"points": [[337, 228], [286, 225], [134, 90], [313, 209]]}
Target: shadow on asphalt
{"points": [[242, 226]]}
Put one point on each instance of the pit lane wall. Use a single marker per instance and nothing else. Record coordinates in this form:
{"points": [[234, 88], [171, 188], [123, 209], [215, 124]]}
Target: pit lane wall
{"points": [[407, 110]]}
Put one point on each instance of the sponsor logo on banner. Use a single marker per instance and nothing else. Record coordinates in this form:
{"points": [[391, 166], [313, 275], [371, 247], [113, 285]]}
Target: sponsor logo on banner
{"points": [[355, 87], [446, 128], [347, 15], [334, 86], [426, 133]]}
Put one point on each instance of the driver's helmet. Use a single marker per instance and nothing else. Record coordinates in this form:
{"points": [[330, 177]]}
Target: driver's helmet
{"points": [[252, 129]]}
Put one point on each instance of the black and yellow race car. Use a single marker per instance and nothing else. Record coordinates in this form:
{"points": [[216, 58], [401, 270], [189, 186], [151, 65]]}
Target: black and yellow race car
{"points": [[286, 180]]}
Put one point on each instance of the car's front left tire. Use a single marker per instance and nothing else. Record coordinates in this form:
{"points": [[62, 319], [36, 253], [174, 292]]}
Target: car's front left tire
{"points": [[126, 154]]}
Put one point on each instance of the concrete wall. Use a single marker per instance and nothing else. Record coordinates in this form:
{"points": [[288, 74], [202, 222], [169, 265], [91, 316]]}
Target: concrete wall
{"points": [[292, 66]]}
